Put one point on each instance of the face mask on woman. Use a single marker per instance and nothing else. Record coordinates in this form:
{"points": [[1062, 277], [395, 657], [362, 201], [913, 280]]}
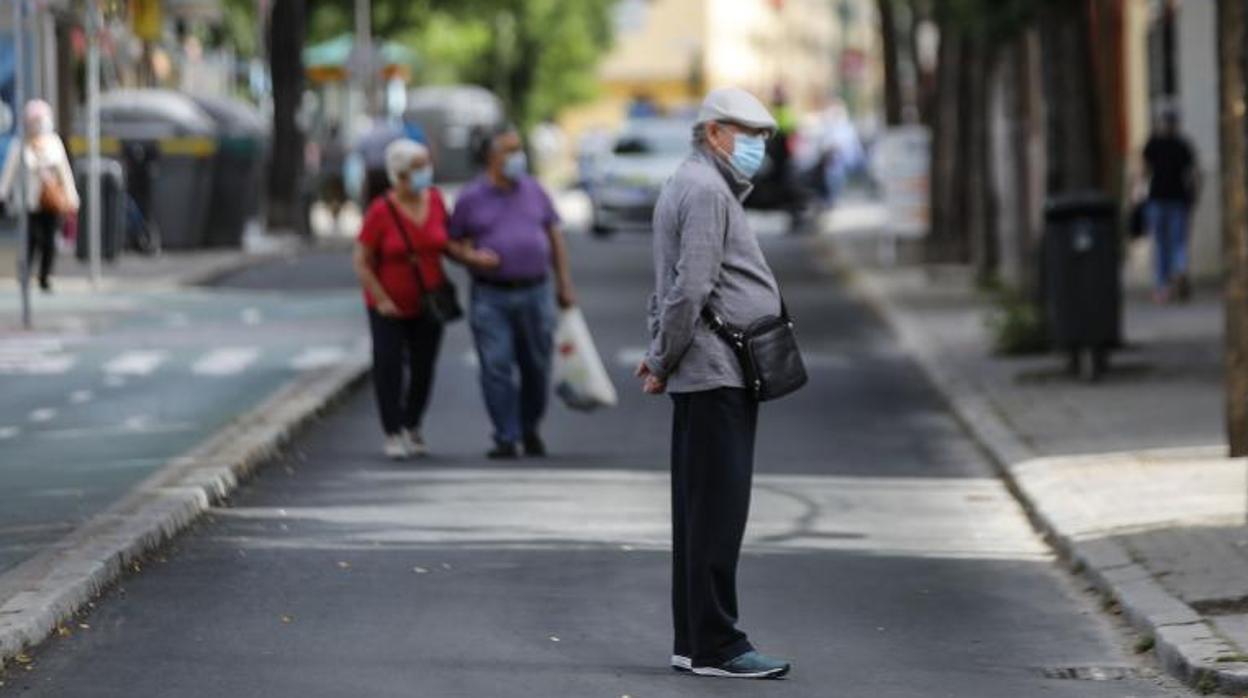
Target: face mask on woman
{"points": [[420, 179]]}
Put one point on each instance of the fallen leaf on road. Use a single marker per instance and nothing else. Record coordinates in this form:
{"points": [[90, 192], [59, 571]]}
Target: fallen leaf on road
{"points": [[288, 619], [553, 638], [23, 658], [343, 565], [419, 570], [84, 626]]}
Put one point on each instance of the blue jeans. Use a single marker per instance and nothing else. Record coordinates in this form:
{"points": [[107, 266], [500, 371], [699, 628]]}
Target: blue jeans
{"points": [[1168, 221], [514, 330]]}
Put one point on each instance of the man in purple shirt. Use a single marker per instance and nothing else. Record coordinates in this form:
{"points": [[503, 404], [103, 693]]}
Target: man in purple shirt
{"points": [[513, 312]]}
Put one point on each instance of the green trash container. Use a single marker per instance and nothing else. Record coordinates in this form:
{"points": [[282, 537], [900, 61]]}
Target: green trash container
{"points": [[238, 171]]}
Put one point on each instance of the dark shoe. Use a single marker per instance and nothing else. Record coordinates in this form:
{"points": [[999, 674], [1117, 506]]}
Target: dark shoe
{"points": [[751, 665], [45, 285], [681, 663], [503, 452], [534, 446]]}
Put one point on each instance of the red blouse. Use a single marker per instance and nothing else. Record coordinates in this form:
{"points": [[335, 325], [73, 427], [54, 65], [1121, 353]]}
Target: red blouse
{"points": [[380, 234]]}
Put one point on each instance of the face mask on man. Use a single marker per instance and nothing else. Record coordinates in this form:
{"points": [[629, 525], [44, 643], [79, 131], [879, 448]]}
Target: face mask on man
{"points": [[747, 153], [420, 179], [515, 166]]}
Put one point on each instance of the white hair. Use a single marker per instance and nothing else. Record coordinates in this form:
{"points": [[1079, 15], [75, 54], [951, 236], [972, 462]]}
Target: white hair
{"points": [[399, 157]]}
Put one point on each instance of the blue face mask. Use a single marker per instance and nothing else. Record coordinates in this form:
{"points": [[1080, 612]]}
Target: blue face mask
{"points": [[420, 180], [747, 153], [515, 166]]}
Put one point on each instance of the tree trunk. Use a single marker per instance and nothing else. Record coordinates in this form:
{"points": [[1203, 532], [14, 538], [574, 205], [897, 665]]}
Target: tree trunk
{"points": [[1075, 155], [286, 37], [891, 49], [1231, 74], [944, 242], [977, 195]]}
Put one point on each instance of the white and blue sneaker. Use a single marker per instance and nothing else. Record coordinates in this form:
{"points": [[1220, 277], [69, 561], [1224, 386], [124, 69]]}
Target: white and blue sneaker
{"points": [[750, 665]]}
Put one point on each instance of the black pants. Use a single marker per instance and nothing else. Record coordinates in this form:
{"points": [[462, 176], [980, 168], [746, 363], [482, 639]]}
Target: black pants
{"points": [[712, 470], [404, 353], [41, 241]]}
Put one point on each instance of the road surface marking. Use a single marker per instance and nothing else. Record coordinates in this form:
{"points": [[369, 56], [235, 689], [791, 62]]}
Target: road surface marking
{"points": [[140, 362], [39, 356], [122, 429], [79, 397], [43, 414], [317, 357], [139, 422], [962, 518], [9, 432], [251, 316], [226, 362], [630, 357]]}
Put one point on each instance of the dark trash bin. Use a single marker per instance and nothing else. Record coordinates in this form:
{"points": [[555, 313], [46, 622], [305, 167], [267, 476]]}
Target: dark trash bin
{"points": [[238, 170], [1082, 278], [167, 145], [113, 201]]}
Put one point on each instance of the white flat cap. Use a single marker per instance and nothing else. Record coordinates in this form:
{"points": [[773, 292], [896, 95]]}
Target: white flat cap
{"points": [[737, 106]]}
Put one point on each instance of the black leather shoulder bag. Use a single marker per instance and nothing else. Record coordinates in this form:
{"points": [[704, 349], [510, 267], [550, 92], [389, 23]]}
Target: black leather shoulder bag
{"points": [[768, 352]]}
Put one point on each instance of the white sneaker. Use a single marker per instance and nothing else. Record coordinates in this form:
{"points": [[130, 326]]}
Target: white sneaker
{"points": [[396, 447], [415, 445], [680, 662]]}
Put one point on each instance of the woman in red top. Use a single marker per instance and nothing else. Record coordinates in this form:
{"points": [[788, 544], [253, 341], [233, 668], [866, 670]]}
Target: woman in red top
{"points": [[399, 252]]}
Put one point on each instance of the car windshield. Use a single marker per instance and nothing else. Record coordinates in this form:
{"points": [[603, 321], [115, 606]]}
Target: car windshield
{"points": [[656, 140]]}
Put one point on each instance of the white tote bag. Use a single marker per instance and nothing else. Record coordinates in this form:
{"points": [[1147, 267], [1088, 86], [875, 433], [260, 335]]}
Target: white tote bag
{"points": [[581, 380]]}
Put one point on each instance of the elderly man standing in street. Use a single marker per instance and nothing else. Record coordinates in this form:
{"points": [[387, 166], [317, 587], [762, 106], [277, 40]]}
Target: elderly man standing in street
{"points": [[706, 257], [513, 315]]}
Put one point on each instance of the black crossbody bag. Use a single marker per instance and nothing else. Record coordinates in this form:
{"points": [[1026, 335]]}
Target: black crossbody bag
{"points": [[768, 352], [439, 304]]}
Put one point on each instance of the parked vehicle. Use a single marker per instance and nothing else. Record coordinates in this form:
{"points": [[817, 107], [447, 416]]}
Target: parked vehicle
{"points": [[626, 183]]}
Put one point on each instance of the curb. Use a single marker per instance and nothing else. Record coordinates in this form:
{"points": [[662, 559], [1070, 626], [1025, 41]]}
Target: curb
{"points": [[40, 594], [1187, 646]]}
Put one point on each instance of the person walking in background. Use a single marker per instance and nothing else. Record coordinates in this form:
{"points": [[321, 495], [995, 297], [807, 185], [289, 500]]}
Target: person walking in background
{"points": [[706, 257], [51, 195], [1173, 187], [398, 258], [512, 314]]}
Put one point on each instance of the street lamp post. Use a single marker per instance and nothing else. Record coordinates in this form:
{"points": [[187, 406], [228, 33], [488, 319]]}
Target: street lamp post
{"points": [[19, 142], [93, 139]]}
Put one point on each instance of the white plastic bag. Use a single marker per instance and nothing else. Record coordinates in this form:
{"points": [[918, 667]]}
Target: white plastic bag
{"points": [[581, 380]]}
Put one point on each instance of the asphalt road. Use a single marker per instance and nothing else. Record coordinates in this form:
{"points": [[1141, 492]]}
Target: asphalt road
{"points": [[882, 556]]}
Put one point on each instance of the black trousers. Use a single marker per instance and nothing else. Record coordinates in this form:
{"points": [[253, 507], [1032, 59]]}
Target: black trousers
{"points": [[712, 471], [41, 240], [404, 353]]}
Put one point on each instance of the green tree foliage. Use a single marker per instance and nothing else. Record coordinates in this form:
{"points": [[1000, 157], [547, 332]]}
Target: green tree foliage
{"points": [[537, 55]]}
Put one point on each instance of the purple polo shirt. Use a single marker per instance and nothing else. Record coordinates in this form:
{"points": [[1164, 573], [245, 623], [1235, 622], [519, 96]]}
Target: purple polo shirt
{"points": [[510, 222]]}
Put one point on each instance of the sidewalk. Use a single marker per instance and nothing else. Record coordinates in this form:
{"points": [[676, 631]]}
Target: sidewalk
{"points": [[1127, 476]]}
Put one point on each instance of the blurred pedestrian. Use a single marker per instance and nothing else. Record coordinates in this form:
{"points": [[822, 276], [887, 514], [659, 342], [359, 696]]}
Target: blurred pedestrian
{"points": [[706, 257], [398, 259], [1173, 187], [513, 313], [51, 196]]}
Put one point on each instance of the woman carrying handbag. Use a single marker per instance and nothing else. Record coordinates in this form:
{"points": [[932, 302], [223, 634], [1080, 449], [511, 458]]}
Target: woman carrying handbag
{"points": [[51, 196], [398, 258]]}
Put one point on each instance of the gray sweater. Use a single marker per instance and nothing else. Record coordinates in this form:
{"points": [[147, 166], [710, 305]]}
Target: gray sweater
{"points": [[704, 255]]}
